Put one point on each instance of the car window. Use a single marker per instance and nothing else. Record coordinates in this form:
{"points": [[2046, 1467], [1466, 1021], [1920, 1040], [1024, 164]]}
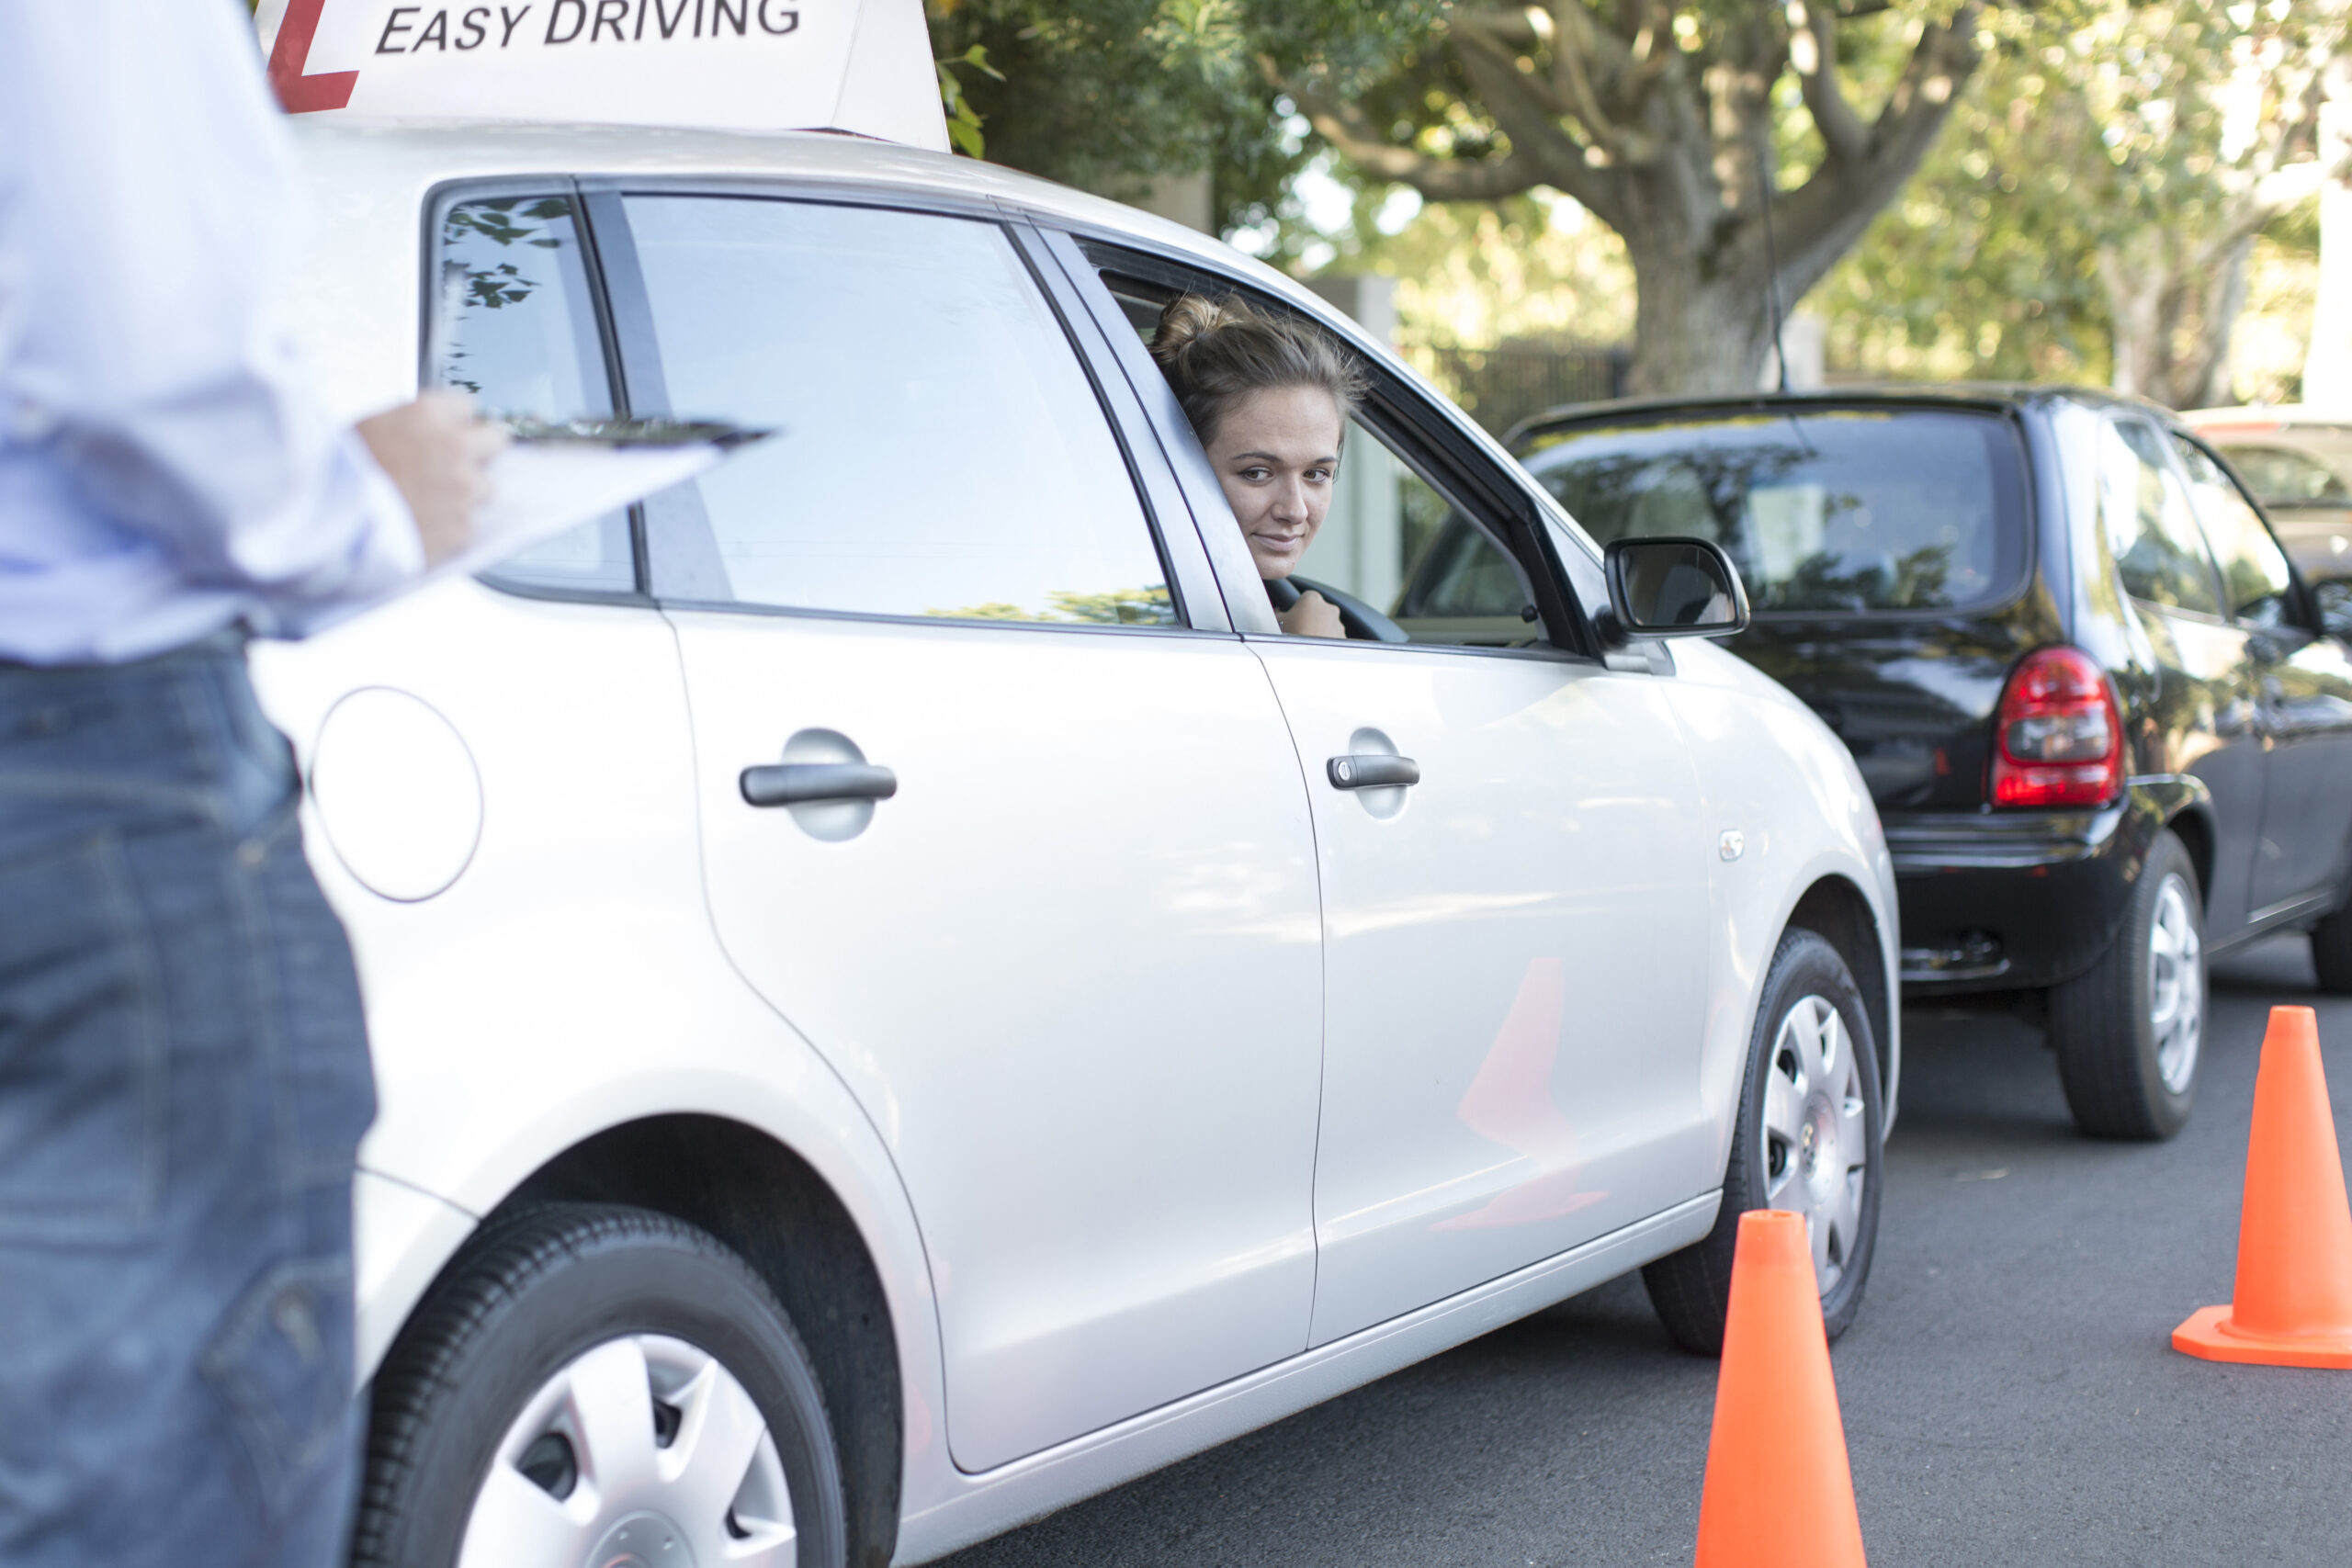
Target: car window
{"points": [[1461, 586], [939, 451], [2158, 552], [1828, 512], [2282, 478], [515, 324], [2253, 569]]}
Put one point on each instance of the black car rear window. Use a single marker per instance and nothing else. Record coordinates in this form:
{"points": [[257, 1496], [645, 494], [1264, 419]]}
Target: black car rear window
{"points": [[1828, 512]]}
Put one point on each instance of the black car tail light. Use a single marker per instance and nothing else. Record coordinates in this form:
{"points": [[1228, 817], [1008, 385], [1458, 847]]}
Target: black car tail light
{"points": [[2059, 739]]}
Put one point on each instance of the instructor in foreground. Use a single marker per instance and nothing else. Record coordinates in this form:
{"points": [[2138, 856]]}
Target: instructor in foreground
{"points": [[184, 1077]]}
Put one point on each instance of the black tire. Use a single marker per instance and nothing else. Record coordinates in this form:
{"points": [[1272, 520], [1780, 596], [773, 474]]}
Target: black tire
{"points": [[2112, 1045], [2332, 952], [1691, 1288], [525, 1299]]}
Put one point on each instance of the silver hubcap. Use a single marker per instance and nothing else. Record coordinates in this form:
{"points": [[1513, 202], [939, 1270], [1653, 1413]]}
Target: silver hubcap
{"points": [[2175, 985], [643, 1453], [1817, 1147]]}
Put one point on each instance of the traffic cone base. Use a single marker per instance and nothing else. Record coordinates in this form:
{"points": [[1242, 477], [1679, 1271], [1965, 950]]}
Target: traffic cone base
{"points": [[2209, 1335]]}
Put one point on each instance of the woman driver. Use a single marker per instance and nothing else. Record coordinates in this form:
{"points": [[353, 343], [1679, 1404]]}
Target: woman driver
{"points": [[1269, 399]]}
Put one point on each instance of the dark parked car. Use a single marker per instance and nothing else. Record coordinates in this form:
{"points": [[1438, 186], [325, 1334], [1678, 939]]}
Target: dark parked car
{"points": [[2107, 727]]}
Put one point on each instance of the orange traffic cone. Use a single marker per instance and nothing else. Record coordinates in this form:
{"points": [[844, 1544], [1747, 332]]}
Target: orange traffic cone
{"points": [[1778, 1494], [2294, 1306]]}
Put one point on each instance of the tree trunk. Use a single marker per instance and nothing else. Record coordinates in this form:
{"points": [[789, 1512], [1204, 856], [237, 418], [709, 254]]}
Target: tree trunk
{"points": [[1695, 335]]}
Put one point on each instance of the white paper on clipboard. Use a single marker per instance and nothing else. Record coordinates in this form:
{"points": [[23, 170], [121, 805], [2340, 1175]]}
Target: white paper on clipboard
{"points": [[541, 489], [555, 478]]}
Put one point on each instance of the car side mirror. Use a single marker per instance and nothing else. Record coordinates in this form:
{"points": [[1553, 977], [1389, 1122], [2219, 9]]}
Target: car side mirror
{"points": [[2334, 599], [1673, 588]]}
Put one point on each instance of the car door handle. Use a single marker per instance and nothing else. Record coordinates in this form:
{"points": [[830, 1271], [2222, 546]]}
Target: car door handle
{"points": [[801, 783], [1372, 770]]}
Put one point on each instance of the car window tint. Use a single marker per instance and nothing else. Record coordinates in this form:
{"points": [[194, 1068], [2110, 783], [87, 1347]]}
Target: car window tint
{"points": [[1827, 513], [514, 324], [939, 451], [2284, 477], [2158, 552], [2253, 569]]}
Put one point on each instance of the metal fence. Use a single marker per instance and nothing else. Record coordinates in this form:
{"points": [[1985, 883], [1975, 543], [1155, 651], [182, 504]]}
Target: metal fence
{"points": [[1504, 384]]}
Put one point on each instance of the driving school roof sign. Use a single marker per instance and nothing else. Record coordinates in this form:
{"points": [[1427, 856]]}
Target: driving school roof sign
{"points": [[861, 65]]}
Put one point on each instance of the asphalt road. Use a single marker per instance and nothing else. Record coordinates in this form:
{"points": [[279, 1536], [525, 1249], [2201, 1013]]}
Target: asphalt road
{"points": [[2009, 1393]]}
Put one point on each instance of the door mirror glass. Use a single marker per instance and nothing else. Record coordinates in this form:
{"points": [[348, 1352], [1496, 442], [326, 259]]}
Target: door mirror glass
{"points": [[2334, 601], [1675, 588]]}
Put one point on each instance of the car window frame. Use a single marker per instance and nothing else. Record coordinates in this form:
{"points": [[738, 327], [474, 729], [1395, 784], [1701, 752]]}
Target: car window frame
{"points": [[1400, 413], [2022, 570], [439, 201], [2301, 612], [638, 356]]}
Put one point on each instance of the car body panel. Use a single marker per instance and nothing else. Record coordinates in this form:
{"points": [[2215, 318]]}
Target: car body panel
{"points": [[1513, 962], [1112, 1161]]}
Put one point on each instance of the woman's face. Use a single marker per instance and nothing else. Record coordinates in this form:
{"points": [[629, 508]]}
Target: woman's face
{"points": [[1276, 453]]}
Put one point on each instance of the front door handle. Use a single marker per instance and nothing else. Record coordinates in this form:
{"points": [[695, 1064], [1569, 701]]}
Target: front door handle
{"points": [[804, 784], [1372, 770]]}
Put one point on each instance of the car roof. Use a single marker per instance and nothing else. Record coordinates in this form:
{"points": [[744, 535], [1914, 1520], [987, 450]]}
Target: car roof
{"points": [[423, 153], [1910, 394]]}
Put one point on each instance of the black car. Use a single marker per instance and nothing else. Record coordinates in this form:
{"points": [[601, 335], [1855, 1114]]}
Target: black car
{"points": [[2109, 729]]}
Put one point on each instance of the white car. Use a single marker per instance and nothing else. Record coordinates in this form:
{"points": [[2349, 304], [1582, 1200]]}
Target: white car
{"points": [[899, 999]]}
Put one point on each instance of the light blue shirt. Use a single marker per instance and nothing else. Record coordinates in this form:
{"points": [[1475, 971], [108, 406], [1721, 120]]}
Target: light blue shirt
{"points": [[163, 470]]}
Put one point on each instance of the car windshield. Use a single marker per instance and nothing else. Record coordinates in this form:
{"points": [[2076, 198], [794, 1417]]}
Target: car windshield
{"points": [[1830, 512]]}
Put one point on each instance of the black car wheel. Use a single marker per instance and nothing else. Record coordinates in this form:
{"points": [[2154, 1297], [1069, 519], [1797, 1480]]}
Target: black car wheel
{"points": [[591, 1384], [1807, 1139], [2332, 952], [2129, 1033]]}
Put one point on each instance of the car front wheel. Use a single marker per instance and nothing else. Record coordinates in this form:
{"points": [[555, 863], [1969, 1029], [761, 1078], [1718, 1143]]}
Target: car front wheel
{"points": [[2130, 1032], [1806, 1139], [599, 1384]]}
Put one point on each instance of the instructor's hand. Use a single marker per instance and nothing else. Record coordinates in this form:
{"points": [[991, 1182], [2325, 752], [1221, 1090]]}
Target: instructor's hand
{"points": [[439, 452]]}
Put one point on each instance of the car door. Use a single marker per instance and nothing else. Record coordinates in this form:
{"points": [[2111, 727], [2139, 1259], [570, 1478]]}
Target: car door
{"points": [[997, 813], [1514, 944], [1514, 967], [2202, 692], [2304, 682]]}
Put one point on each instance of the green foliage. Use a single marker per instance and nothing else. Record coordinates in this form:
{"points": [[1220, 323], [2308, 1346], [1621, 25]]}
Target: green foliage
{"points": [[1987, 266], [963, 120], [1148, 606], [2107, 143], [1108, 94]]}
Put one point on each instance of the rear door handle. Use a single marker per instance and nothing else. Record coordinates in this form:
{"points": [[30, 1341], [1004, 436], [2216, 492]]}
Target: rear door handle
{"points": [[1372, 770], [802, 784]]}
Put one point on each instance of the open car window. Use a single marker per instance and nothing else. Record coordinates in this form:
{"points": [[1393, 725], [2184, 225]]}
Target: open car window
{"points": [[1394, 539]]}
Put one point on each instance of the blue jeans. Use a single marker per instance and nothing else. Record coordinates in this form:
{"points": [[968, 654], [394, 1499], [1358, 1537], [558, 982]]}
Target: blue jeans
{"points": [[184, 1080]]}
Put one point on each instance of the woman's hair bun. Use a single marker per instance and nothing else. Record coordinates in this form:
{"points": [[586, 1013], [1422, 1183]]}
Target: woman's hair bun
{"points": [[1189, 318], [1217, 352]]}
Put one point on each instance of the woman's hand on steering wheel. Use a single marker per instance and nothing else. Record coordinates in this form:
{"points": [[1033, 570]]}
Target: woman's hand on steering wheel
{"points": [[1313, 616]]}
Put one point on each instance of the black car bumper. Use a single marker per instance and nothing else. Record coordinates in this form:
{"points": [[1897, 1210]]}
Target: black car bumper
{"points": [[2012, 900]]}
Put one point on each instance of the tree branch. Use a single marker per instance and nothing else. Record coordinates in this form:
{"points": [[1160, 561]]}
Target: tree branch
{"points": [[1438, 179], [1814, 54]]}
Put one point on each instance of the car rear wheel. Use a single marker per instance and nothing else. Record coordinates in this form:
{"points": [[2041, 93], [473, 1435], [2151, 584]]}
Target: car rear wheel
{"points": [[593, 1385], [2130, 1032], [1806, 1138], [2332, 952]]}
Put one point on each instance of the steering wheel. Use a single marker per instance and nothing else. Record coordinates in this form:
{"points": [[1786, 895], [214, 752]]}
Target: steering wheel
{"points": [[1359, 620]]}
